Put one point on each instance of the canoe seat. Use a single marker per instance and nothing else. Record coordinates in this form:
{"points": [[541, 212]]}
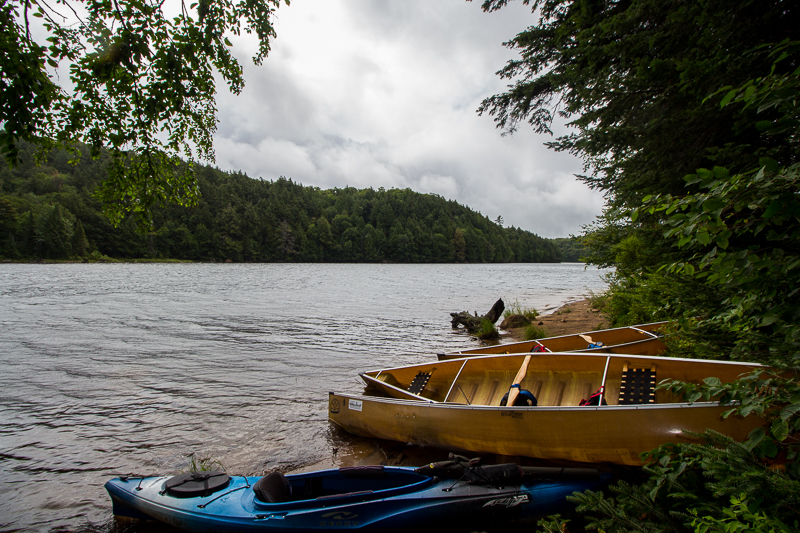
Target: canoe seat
{"points": [[273, 488], [419, 382], [638, 386]]}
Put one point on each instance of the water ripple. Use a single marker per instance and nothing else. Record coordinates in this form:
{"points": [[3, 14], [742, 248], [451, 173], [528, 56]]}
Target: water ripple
{"points": [[123, 368]]}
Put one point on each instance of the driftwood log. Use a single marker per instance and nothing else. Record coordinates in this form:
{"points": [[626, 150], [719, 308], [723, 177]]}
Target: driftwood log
{"points": [[473, 322]]}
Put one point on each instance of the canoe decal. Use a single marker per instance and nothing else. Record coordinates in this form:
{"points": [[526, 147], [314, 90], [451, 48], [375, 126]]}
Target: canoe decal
{"points": [[354, 405], [512, 414], [334, 405], [512, 501]]}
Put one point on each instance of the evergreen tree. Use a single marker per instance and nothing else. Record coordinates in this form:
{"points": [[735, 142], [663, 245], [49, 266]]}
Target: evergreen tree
{"points": [[57, 233], [80, 245]]}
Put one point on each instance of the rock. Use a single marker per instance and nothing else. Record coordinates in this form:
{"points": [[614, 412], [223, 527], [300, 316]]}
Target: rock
{"points": [[515, 321]]}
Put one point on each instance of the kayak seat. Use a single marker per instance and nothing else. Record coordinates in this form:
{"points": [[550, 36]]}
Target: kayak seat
{"points": [[638, 386], [419, 382], [273, 488]]}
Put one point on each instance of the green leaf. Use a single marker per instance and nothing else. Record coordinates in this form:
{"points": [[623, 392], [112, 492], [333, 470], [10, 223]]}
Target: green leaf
{"points": [[754, 438], [768, 448], [789, 411], [728, 97], [773, 209], [780, 430]]}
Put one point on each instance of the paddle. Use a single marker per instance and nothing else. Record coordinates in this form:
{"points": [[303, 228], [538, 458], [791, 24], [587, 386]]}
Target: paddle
{"points": [[514, 391]]}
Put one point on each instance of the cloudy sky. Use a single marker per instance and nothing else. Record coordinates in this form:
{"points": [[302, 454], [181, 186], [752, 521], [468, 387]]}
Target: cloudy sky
{"points": [[383, 93]]}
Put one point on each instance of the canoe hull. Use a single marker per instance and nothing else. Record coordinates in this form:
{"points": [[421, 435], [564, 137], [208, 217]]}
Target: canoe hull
{"points": [[235, 509], [612, 433]]}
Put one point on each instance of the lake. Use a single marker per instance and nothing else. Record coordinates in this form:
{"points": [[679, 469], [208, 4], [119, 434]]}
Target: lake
{"points": [[130, 368]]}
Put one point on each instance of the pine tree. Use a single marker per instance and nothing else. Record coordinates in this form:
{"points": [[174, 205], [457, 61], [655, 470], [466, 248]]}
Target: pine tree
{"points": [[57, 234], [80, 245]]}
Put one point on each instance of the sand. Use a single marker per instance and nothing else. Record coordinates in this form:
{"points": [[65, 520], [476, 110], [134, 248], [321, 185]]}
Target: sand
{"points": [[574, 317]]}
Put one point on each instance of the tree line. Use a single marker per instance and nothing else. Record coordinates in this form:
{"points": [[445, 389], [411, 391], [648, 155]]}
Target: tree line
{"points": [[51, 211]]}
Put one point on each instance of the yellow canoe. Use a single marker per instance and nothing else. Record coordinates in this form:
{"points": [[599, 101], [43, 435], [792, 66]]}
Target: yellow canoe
{"points": [[643, 339], [458, 405]]}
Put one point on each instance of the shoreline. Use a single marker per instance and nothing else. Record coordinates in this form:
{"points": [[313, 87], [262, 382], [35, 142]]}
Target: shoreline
{"points": [[572, 317]]}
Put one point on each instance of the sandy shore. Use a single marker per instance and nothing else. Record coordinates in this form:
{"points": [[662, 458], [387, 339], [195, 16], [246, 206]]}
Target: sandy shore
{"points": [[574, 317]]}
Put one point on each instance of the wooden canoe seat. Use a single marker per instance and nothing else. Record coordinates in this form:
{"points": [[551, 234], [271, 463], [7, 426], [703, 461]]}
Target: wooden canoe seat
{"points": [[638, 386], [419, 382]]}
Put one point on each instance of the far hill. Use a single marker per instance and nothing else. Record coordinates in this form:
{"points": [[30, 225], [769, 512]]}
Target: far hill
{"points": [[48, 212]]}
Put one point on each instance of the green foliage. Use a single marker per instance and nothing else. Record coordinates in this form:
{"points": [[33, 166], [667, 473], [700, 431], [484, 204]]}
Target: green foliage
{"points": [[740, 518], [684, 481], [533, 332], [771, 394], [552, 524], [141, 84], [242, 219], [487, 330], [740, 233], [516, 308], [572, 249]]}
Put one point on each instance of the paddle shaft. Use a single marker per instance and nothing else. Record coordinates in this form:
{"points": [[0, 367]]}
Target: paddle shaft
{"points": [[514, 391]]}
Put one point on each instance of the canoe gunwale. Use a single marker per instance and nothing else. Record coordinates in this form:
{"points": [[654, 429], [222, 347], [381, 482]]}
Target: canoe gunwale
{"points": [[576, 353], [647, 330], [542, 408]]}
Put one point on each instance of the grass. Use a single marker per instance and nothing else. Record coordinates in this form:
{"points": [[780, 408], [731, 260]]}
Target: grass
{"points": [[487, 330], [516, 309], [533, 332], [203, 464], [598, 301]]}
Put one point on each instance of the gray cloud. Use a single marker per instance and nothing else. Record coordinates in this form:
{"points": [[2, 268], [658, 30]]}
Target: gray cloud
{"points": [[370, 93]]}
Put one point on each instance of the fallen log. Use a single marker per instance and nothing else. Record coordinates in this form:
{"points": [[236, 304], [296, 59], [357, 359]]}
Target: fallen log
{"points": [[472, 322]]}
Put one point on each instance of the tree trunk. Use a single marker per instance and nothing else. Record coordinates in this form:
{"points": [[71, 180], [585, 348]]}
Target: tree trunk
{"points": [[473, 322]]}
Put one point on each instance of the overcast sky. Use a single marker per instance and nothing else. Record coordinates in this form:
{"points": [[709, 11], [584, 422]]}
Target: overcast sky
{"points": [[383, 93]]}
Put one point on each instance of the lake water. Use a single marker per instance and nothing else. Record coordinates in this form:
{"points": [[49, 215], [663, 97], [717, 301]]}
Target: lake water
{"points": [[120, 368]]}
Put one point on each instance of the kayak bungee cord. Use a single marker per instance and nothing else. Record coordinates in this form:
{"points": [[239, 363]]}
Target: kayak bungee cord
{"points": [[203, 505]]}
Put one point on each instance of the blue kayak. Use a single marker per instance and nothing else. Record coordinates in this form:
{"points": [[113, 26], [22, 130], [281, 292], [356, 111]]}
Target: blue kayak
{"points": [[368, 498]]}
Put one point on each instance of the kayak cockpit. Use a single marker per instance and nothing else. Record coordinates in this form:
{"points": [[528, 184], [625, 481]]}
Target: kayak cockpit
{"points": [[347, 483]]}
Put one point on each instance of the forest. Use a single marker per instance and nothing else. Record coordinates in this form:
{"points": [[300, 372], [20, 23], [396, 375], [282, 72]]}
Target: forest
{"points": [[51, 212]]}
